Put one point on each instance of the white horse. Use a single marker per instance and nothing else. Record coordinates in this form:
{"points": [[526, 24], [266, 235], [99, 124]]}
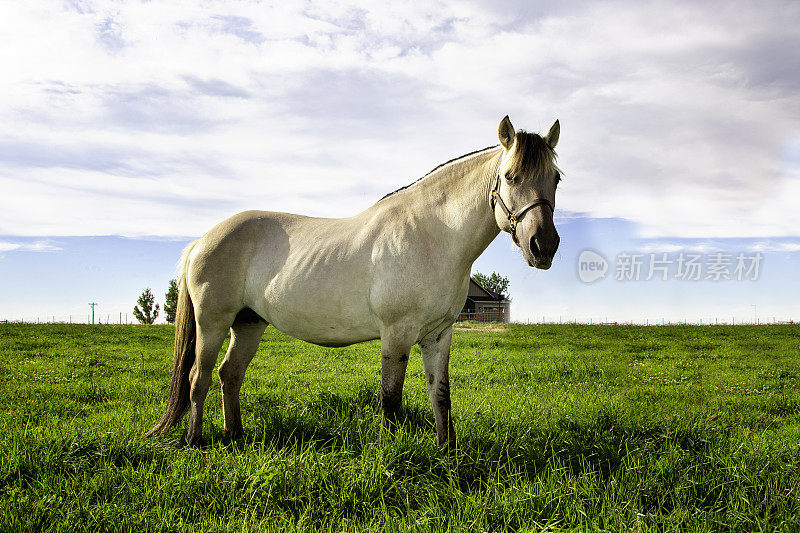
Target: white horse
{"points": [[398, 271]]}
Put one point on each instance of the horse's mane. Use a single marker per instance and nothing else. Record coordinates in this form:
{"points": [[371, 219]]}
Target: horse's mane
{"points": [[532, 154], [437, 168]]}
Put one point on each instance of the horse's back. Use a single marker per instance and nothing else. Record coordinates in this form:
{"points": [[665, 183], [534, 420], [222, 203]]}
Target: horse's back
{"points": [[327, 281], [307, 276]]}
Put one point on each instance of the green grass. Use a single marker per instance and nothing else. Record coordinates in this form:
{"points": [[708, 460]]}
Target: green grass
{"points": [[566, 427]]}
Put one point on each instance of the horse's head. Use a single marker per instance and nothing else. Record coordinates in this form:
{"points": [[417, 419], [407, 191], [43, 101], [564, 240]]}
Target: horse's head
{"points": [[524, 191]]}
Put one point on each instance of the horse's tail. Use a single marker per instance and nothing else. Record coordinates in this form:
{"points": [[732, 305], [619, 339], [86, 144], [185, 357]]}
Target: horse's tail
{"points": [[183, 360]]}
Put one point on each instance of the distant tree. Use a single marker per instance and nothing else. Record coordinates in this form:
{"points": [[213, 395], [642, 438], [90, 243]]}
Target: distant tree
{"points": [[494, 282], [171, 301], [147, 314]]}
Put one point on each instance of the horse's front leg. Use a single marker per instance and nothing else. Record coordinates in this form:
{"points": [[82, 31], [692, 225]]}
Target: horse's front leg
{"points": [[395, 347], [436, 358]]}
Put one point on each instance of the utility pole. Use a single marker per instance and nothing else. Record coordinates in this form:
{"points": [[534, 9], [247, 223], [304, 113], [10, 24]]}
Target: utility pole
{"points": [[93, 305]]}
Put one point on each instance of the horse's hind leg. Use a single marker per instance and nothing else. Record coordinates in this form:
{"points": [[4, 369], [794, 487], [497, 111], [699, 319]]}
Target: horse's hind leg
{"points": [[245, 335], [210, 336]]}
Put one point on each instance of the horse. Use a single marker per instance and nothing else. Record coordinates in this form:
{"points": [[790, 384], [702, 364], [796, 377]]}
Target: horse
{"points": [[398, 271]]}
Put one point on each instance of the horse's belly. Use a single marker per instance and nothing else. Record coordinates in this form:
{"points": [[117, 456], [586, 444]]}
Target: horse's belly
{"points": [[324, 319], [335, 335]]}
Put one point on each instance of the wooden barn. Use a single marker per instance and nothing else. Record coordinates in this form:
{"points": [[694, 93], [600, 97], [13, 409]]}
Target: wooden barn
{"points": [[484, 305]]}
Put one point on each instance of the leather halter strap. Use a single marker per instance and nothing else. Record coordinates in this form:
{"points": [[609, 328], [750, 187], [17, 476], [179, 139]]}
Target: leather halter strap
{"points": [[513, 216]]}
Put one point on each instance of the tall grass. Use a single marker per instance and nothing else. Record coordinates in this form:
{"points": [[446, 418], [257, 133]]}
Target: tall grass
{"points": [[561, 427]]}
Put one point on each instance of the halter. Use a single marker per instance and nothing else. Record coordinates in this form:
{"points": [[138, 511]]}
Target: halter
{"points": [[513, 217]]}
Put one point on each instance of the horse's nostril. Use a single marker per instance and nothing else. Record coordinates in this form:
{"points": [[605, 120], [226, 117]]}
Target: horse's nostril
{"points": [[534, 247], [544, 247]]}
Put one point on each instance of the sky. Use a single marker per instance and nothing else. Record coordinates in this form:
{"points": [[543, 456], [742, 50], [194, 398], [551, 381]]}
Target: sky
{"points": [[130, 128]]}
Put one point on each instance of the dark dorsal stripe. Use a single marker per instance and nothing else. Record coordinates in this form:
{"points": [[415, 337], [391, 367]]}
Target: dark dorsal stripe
{"points": [[532, 154], [437, 168]]}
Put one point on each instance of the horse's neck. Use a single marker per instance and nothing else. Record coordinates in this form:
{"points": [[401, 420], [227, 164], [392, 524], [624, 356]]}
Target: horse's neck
{"points": [[458, 195]]}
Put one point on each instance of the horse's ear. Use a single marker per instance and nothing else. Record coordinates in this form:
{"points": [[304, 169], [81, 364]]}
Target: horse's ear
{"points": [[506, 133], [552, 136]]}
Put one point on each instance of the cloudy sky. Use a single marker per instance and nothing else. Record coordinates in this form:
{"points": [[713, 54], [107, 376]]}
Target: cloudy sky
{"points": [[131, 127]]}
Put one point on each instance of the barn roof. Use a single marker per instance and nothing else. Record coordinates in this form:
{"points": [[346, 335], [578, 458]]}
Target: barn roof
{"points": [[479, 293]]}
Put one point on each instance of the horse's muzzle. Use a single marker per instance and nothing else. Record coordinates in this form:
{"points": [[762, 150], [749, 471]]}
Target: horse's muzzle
{"points": [[543, 249]]}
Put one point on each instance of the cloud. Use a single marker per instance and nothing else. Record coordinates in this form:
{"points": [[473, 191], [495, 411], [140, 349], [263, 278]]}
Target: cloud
{"points": [[323, 101], [241, 27], [771, 246], [155, 108], [216, 87], [668, 247], [680, 117], [714, 245], [109, 35], [36, 246]]}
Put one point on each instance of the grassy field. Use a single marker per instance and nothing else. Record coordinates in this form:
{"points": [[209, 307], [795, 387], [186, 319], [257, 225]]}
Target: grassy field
{"points": [[561, 427]]}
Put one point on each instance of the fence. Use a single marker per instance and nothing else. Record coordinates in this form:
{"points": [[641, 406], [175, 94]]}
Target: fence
{"points": [[105, 318], [124, 318], [712, 321], [483, 317]]}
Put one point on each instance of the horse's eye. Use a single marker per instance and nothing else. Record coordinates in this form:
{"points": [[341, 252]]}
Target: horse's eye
{"points": [[509, 177]]}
